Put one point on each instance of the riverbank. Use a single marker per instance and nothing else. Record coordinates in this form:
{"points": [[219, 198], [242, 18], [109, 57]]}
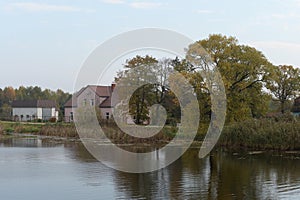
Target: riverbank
{"points": [[251, 135], [263, 134], [64, 130]]}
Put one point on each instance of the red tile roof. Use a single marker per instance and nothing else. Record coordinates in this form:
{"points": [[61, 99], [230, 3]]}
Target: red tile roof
{"points": [[100, 91], [106, 103], [68, 104]]}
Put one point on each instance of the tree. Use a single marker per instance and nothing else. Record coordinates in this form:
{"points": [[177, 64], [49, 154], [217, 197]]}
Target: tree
{"points": [[5, 111], [21, 93], [244, 71], [9, 94], [137, 72], [284, 84], [1, 97]]}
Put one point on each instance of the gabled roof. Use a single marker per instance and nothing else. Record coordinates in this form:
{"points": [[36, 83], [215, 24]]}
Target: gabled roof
{"points": [[106, 103], [100, 91], [68, 104], [33, 104]]}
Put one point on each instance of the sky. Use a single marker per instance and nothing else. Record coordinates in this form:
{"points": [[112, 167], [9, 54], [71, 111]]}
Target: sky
{"points": [[45, 42]]}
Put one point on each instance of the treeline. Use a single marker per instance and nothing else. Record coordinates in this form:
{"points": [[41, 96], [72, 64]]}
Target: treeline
{"points": [[254, 86], [8, 94]]}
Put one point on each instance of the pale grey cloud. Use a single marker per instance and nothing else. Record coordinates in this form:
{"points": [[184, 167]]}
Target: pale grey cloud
{"points": [[277, 44], [145, 5], [113, 1], [136, 4], [279, 52], [297, 2], [290, 15], [204, 11], [40, 7]]}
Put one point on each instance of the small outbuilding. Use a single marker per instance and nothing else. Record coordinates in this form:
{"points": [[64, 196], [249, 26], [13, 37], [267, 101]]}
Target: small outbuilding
{"points": [[28, 110]]}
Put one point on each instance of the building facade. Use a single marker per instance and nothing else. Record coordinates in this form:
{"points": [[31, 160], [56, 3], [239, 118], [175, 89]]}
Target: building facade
{"points": [[91, 95], [28, 110]]}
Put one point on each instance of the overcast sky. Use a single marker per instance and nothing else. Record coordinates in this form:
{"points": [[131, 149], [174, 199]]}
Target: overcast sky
{"points": [[44, 43]]}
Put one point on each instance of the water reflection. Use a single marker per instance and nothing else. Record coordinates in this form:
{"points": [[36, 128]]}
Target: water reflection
{"points": [[71, 172]]}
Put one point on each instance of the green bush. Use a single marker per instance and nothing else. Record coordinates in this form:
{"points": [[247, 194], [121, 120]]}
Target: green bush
{"points": [[9, 130]]}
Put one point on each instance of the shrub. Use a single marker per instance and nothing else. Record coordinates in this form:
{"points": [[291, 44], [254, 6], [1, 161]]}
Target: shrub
{"points": [[52, 120], [9, 130]]}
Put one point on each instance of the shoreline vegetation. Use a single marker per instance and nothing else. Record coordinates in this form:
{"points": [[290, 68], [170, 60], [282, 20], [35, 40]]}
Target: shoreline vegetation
{"points": [[260, 97], [279, 134]]}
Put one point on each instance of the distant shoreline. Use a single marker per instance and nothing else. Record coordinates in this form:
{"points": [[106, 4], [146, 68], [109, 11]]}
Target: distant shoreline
{"points": [[252, 135]]}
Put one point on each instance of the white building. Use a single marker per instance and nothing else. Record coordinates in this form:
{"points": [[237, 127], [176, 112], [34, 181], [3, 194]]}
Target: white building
{"points": [[27, 110]]}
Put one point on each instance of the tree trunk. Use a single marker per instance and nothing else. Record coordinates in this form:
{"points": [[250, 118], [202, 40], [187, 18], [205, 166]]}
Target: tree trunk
{"points": [[282, 107]]}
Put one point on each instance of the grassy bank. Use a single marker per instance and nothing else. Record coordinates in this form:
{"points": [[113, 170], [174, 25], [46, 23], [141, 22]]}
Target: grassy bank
{"points": [[44, 129], [263, 134], [59, 130], [118, 137], [17, 127]]}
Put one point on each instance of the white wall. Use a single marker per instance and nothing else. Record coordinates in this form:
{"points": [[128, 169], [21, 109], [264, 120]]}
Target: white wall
{"points": [[53, 114], [37, 112], [25, 112]]}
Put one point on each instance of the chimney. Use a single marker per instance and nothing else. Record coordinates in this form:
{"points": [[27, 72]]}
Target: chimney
{"points": [[113, 85]]}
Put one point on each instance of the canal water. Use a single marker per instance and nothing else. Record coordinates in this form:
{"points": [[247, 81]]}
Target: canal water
{"points": [[34, 169]]}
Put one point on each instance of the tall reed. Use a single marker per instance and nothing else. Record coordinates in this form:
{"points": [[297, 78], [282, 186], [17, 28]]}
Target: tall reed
{"points": [[263, 134]]}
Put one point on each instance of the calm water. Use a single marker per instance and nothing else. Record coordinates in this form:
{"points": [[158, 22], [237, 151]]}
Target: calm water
{"points": [[31, 169]]}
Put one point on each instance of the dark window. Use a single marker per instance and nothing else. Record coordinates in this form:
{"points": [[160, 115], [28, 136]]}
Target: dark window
{"points": [[92, 103], [71, 116], [107, 115]]}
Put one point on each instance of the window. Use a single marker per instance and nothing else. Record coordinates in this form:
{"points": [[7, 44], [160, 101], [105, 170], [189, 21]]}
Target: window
{"points": [[84, 102], [107, 115], [27, 116], [71, 116], [92, 102]]}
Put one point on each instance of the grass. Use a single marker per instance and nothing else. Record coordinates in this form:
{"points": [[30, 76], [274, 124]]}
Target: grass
{"points": [[46, 129], [59, 130], [263, 134], [112, 132], [20, 127]]}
